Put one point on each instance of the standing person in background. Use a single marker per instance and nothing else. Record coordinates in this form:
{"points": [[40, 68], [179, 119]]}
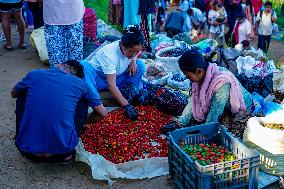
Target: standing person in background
{"points": [[197, 20], [264, 21], [7, 9], [249, 13], [217, 17], [242, 30], [37, 11], [160, 19], [233, 8], [63, 30]]}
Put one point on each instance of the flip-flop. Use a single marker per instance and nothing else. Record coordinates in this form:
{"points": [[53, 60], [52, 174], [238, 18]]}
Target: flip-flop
{"points": [[66, 161], [8, 48], [24, 46]]}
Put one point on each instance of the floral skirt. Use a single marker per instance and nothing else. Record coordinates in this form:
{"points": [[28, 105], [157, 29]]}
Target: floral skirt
{"points": [[64, 42]]}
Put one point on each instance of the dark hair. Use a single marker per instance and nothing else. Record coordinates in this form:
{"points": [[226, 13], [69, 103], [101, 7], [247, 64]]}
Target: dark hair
{"points": [[161, 11], [248, 3], [215, 3], [77, 68], [241, 15], [245, 43], [268, 3], [192, 60], [189, 11], [132, 36]]}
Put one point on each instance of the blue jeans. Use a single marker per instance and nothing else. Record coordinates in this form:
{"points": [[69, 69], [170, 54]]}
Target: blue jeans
{"points": [[101, 82], [263, 42]]}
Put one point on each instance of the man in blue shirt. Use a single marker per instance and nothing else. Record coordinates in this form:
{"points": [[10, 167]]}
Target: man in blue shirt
{"points": [[176, 23], [51, 110]]}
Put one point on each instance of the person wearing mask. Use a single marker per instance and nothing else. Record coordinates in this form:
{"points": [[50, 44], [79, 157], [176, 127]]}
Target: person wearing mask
{"points": [[63, 29], [51, 111], [7, 9], [264, 21], [197, 20], [177, 22], [215, 91], [116, 64], [217, 17], [37, 11], [242, 30]]}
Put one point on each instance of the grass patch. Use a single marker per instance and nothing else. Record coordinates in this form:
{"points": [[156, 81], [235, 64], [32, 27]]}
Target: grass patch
{"points": [[101, 8]]}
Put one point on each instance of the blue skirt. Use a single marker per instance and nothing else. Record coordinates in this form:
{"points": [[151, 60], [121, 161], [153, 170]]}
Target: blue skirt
{"points": [[64, 42]]}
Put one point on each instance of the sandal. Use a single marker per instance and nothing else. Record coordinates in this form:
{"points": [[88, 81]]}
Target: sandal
{"points": [[24, 46], [8, 48], [66, 161], [63, 159]]}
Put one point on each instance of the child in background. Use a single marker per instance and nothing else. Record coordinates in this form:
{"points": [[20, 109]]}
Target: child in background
{"points": [[160, 19], [222, 16]]}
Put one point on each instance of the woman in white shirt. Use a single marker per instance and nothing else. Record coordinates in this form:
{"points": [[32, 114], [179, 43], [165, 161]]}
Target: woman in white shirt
{"points": [[242, 30], [63, 27], [116, 64]]}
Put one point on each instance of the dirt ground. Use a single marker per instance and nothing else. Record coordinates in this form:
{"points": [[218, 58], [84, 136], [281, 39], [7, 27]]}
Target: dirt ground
{"points": [[16, 171]]}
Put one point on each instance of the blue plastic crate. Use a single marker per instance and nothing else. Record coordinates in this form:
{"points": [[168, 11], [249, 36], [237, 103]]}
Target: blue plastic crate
{"points": [[187, 174]]}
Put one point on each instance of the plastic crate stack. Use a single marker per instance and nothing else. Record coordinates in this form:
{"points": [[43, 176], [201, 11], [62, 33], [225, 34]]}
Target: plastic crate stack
{"points": [[187, 174]]}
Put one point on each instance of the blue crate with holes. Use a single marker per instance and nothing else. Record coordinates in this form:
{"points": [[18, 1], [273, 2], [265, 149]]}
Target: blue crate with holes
{"points": [[189, 174]]}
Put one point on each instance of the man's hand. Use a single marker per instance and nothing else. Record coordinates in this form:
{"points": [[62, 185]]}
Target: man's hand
{"points": [[273, 17], [132, 68]]}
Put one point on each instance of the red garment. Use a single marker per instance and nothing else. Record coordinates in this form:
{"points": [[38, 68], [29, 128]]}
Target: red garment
{"points": [[236, 32], [90, 23], [257, 4]]}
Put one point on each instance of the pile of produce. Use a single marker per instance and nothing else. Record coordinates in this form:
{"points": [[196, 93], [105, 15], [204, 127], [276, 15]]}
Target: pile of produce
{"points": [[119, 139], [178, 77], [155, 71], [173, 52], [279, 97], [207, 154], [277, 126]]}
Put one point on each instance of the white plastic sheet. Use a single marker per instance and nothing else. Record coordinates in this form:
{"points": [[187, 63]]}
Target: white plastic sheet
{"points": [[251, 67], [103, 169]]}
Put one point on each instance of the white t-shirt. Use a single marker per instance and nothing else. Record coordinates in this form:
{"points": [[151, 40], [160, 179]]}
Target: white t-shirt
{"points": [[213, 15], [110, 60], [244, 30], [197, 17], [265, 23], [63, 12]]}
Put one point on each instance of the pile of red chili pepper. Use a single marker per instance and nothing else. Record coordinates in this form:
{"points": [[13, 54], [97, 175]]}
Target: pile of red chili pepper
{"points": [[119, 139], [207, 154]]}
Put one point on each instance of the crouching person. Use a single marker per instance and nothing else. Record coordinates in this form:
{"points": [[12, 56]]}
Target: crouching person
{"points": [[215, 91], [51, 111]]}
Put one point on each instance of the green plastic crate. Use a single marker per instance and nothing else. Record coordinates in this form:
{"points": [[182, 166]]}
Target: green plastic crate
{"points": [[187, 174]]}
